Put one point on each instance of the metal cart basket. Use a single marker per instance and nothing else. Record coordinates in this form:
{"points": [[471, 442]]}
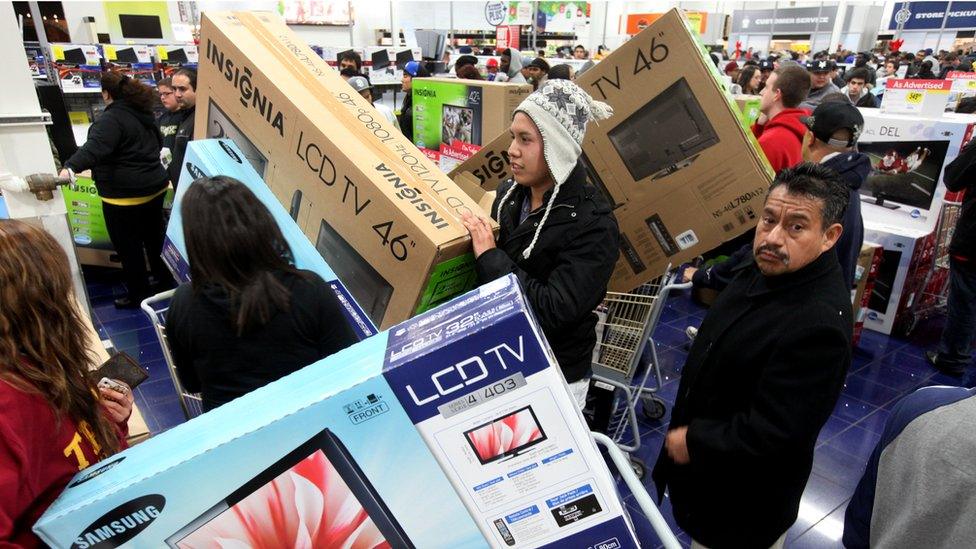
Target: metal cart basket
{"points": [[156, 307], [627, 322]]}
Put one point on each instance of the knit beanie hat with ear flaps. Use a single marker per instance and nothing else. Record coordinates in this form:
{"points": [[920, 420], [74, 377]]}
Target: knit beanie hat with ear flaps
{"points": [[560, 109]]}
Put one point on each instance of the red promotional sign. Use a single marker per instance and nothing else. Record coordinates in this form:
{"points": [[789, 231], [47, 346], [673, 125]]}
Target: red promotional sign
{"points": [[915, 84], [507, 36]]}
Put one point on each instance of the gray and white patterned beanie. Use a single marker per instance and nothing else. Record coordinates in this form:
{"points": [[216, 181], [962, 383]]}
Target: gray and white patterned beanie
{"points": [[561, 110]]}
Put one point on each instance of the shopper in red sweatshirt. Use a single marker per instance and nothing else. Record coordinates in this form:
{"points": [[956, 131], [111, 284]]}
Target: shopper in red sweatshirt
{"points": [[779, 129], [53, 420]]}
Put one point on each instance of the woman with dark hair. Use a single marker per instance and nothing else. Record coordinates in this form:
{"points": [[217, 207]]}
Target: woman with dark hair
{"points": [[53, 420], [248, 317], [122, 152], [750, 78]]}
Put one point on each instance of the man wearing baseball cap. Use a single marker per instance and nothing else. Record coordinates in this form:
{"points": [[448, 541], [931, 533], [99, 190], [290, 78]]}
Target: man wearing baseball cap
{"points": [[766, 68], [820, 84], [364, 88], [831, 141], [411, 70]]}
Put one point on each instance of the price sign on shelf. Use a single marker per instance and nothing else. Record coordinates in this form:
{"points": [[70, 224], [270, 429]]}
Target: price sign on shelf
{"points": [[920, 97], [962, 81]]}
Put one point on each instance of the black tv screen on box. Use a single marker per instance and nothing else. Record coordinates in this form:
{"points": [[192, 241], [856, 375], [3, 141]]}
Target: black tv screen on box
{"points": [[904, 172]]}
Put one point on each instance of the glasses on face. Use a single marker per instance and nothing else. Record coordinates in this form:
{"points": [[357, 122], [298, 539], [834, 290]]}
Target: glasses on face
{"points": [[165, 94]]}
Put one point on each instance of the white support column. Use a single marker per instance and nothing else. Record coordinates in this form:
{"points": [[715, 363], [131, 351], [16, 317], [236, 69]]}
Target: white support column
{"points": [[839, 21]]}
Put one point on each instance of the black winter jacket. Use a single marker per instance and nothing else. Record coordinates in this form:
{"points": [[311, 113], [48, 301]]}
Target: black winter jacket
{"points": [[211, 358], [853, 168], [566, 275], [960, 175], [406, 116], [169, 123], [184, 134], [122, 152], [761, 379]]}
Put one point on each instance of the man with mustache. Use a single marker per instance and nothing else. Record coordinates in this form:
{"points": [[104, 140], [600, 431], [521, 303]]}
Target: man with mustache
{"points": [[763, 374]]}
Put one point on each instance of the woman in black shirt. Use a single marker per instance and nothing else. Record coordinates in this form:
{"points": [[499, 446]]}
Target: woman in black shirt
{"points": [[248, 317]]}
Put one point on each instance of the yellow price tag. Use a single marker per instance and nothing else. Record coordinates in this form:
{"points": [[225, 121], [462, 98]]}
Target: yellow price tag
{"points": [[971, 84], [58, 53], [161, 53], [914, 97], [110, 53]]}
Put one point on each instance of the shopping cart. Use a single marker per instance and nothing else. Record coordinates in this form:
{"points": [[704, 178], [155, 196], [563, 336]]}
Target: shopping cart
{"points": [[627, 323], [933, 294], [643, 499], [156, 307]]}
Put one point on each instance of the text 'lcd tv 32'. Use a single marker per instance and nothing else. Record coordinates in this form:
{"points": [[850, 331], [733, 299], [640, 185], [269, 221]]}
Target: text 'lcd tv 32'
{"points": [[665, 135], [315, 496], [505, 436]]}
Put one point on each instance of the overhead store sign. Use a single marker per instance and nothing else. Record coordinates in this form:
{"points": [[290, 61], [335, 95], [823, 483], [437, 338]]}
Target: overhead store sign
{"points": [[931, 15], [637, 22], [785, 21]]}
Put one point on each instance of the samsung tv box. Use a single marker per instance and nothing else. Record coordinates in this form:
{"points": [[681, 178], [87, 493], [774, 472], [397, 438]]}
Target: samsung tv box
{"points": [[454, 429], [213, 157]]}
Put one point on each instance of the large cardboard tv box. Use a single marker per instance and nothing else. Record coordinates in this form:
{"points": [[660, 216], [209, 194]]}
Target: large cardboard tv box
{"points": [[357, 188], [453, 118], [681, 171], [452, 430]]}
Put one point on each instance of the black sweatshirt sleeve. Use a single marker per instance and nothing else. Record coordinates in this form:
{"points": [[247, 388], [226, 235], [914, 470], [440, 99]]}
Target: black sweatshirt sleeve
{"points": [[178, 328], [961, 172], [103, 138]]}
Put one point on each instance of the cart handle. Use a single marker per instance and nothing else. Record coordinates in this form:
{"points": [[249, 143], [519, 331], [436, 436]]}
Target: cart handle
{"points": [[147, 304], [637, 488]]}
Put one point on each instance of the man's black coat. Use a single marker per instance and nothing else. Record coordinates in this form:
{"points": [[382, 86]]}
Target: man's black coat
{"points": [[762, 377]]}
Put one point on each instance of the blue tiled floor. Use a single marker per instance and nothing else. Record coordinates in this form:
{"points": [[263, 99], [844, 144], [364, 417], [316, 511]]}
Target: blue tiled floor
{"points": [[884, 369]]}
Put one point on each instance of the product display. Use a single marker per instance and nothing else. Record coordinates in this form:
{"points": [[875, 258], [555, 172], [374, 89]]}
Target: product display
{"points": [[212, 157], [452, 118], [87, 223], [79, 67], [461, 410], [361, 185], [865, 275], [908, 155], [906, 257], [675, 161]]}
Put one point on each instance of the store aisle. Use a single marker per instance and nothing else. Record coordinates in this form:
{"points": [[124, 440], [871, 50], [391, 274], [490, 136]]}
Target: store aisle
{"points": [[884, 370]]}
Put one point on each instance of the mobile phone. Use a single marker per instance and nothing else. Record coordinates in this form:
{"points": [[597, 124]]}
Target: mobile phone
{"points": [[107, 383]]}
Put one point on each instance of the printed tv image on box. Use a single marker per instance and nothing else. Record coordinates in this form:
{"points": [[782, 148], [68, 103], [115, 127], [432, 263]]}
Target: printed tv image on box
{"points": [[903, 173]]}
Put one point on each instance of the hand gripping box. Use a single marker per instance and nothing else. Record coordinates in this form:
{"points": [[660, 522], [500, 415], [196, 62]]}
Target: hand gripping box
{"points": [[680, 169], [454, 429], [357, 188], [453, 118], [213, 157]]}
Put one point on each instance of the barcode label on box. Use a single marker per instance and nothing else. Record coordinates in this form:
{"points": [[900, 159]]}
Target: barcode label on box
{"points": [[687, 239]]}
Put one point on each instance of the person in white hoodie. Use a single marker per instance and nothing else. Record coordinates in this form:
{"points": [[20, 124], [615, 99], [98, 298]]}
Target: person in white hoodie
{"points": [[510, 68]]}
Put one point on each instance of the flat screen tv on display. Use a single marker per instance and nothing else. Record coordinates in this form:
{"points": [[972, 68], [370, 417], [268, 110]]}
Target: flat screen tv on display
{"points": [[276, 506], [141, 26], [75, 56], [665, 135], [176, 56], [903, 173], [505, 436], [126, 55]]}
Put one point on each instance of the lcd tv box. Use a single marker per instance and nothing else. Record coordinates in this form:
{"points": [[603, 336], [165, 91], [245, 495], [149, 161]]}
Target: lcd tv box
{"points": [[454, 429], [453, 118], [675, 161], [213, 157], [305, 130]]}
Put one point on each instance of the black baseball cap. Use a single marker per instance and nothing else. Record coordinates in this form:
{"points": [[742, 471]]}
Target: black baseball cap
{"points": [[827, 118], [820, 65], [539, 63], [766, 65]]}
